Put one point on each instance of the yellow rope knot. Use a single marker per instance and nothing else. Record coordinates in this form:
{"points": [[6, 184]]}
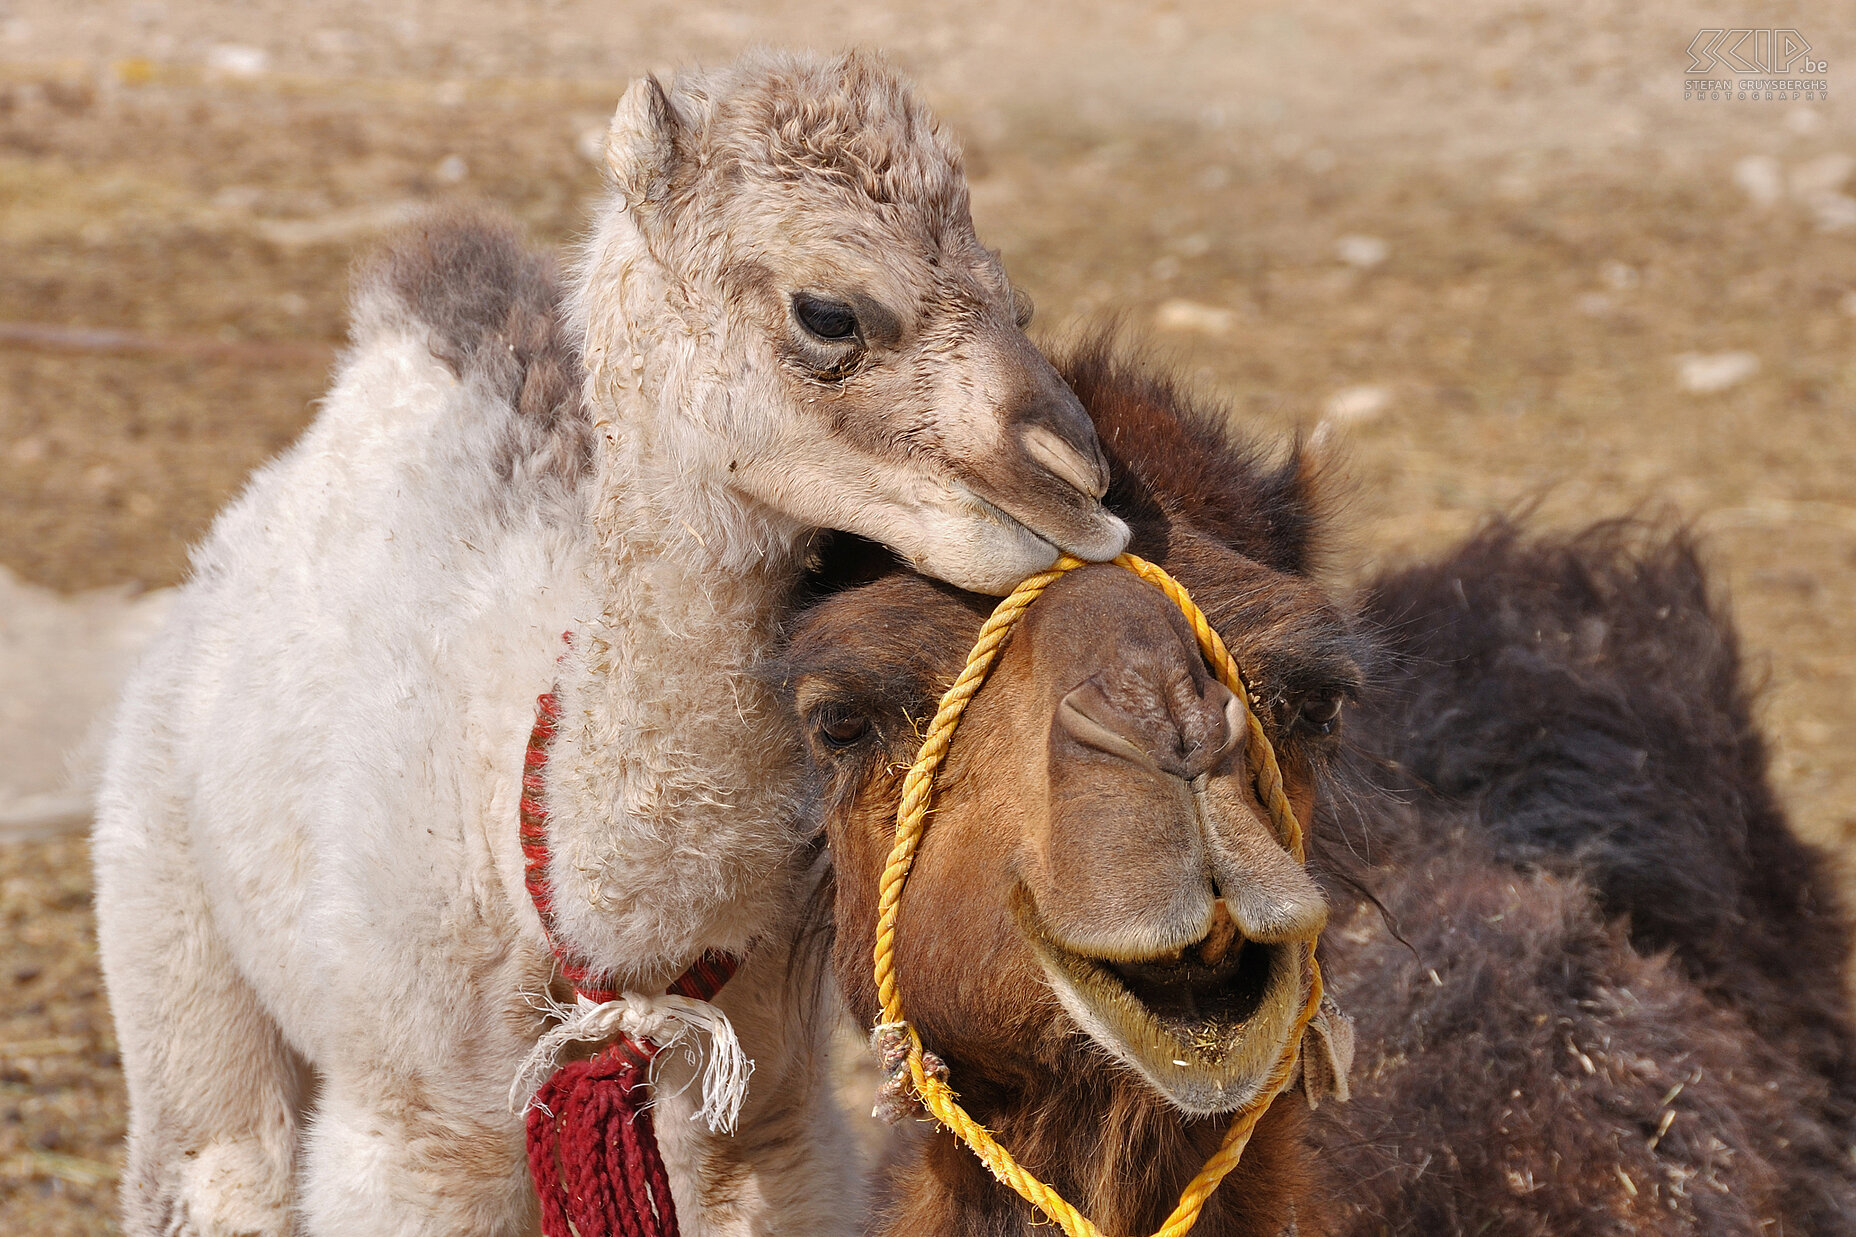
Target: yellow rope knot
{"points": [[926, 1074]]}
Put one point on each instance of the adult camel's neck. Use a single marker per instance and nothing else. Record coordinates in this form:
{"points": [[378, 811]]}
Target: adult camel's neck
{"points": [[670, 783], [1117, 1154]]}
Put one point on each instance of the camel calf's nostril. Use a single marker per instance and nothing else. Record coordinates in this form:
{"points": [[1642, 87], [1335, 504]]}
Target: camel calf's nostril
{"points": [[1065, 461]]}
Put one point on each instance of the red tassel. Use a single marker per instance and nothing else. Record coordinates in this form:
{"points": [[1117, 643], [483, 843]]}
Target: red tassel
{"points": [[593, 1152]]}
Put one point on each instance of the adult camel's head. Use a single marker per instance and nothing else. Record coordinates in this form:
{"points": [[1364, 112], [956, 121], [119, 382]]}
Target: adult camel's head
{"points": [[1097, 860], [788, 252]]}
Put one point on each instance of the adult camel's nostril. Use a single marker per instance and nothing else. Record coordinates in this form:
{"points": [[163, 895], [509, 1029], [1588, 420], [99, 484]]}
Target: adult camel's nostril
{"points": [[1170, 725]]}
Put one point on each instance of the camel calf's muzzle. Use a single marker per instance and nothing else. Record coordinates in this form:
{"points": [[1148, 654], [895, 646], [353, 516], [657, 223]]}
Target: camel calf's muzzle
{"points": [[1046, 470]]}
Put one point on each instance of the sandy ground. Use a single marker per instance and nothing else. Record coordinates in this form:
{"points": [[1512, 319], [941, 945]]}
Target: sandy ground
{"points": [[1490, 259]]}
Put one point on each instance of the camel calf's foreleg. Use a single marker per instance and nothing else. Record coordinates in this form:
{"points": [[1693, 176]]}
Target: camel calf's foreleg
{"points": [[390, 1161], [792, 1165]]}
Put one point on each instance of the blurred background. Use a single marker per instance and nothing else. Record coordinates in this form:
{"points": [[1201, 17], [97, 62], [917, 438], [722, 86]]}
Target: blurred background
{"points": [[1489, 255]]}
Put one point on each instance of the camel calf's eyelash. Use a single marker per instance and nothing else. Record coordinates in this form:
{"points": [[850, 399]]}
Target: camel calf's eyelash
{"points": [[829, 320]]}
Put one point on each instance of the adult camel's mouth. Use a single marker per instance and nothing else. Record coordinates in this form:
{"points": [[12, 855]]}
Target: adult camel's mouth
{"points": [[1206, 1034]]}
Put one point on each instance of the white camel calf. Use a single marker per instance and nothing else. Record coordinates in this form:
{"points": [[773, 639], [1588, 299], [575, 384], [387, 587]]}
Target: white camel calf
{"points": [[317, 941]]}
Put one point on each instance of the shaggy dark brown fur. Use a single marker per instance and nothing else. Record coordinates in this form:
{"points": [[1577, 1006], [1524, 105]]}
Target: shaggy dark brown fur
{"points": [[1617, 1004], [1172, 459], [491, 310], [1583, 700], [1528, 1072], [1591, 859]]}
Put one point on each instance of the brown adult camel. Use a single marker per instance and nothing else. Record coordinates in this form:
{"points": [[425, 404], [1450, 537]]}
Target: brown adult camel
{"points": [[1100, 933]]}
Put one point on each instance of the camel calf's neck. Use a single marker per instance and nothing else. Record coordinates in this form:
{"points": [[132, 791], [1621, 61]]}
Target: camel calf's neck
{"points": [[788, 324]]}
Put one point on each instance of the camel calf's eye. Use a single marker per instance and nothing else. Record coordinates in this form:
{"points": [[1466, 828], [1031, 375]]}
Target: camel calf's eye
{"points": [[840, 728], [829, 320]]}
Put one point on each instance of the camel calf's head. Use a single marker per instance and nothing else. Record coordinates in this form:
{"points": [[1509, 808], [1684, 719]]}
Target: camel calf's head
{"points": [[1096, 859], [853, 357]]}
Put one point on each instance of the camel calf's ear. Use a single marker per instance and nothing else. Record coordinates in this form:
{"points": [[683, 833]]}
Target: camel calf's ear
{"points": [[641, 146]]}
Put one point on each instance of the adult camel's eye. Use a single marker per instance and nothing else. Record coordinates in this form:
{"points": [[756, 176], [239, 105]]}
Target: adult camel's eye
{"points": [[839, 728], [1321, 714], [833, 321]]}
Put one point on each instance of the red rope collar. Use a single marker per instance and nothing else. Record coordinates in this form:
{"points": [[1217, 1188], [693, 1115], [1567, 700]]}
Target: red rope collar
{"points": [[592, 1151], [706, 975]]}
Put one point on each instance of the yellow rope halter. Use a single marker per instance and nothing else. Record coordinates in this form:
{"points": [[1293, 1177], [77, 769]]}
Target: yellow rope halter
{"points": [[911, 821]]}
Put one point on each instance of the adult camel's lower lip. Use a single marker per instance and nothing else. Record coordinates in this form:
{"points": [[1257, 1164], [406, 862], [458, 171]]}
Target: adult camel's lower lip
{"points": [[1205, 1036]]}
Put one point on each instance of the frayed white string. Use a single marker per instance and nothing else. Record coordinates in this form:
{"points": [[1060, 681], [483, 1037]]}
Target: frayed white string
{"points": [[665, 1021]]}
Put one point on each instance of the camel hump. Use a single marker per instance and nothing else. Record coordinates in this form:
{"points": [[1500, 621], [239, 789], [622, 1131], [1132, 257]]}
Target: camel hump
{"points": [[1585, 694], [491, 309], [489, 304]]}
